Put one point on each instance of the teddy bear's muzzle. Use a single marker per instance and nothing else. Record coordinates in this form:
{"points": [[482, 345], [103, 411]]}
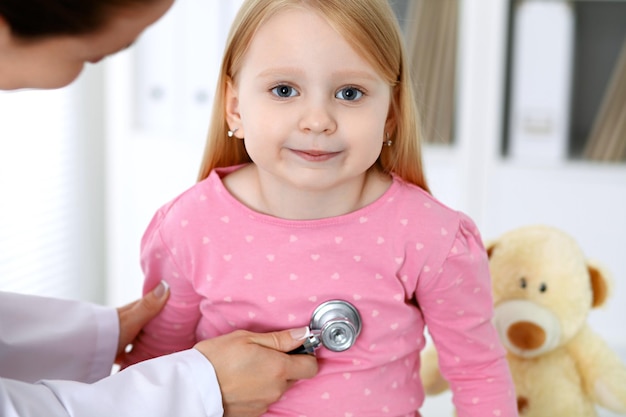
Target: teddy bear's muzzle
{"points": [[525, 328]]}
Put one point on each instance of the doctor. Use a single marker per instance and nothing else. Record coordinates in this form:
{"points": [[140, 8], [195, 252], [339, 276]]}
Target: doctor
{"points": [[56, 355]]}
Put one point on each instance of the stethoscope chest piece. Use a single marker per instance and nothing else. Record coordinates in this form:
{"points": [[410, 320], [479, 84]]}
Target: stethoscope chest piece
{"points": [[339, 324], [335, 324]]}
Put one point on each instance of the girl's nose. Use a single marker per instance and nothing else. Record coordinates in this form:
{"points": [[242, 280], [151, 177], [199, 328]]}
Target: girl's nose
{"points": [[317, 118]]}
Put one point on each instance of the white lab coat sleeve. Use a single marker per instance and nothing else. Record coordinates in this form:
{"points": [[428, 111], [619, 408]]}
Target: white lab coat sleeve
{"points": [[181, 384], [47, 338]]}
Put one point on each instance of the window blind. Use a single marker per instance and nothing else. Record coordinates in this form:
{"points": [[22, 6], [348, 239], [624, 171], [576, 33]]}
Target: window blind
{"points": [[47, 246]]}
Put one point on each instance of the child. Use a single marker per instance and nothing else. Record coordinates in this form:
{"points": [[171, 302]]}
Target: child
{"points": [[312, 189]]}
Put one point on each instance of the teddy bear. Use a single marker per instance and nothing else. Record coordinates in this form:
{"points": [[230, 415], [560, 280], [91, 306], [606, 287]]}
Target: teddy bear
{"points": [[543, 290]]}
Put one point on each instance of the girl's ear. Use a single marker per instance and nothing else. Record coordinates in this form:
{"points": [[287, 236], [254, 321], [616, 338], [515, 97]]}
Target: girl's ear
{"points": [[390, 124], [392, 118], [390, 127], [232, 107]]}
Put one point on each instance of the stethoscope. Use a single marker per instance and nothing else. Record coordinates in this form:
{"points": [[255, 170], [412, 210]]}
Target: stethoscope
{"points": [[335, 325]]}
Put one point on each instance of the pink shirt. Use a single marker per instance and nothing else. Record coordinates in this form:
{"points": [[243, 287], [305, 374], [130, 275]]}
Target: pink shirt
{"points": [[230, 267]]}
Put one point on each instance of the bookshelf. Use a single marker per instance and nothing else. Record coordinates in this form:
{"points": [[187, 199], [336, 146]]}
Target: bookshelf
{"points": [[566, 63], [606, 47], [477, 174]]}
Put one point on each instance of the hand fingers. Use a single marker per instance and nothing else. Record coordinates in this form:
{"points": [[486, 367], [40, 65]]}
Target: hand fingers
{"points": [[301, 366], [151, 304], [134, 316], [284, 341], [298, 366]]}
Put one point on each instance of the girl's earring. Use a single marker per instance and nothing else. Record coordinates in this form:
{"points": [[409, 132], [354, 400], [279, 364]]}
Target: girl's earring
{"points": [[388, 142], [231, 133]]}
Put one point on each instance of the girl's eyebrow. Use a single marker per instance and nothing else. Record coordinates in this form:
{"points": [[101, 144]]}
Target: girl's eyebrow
{"points": [[359, 74], [280, 71], [293, 71]]}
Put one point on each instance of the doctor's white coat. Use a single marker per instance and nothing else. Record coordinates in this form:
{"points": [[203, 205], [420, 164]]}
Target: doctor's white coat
{"points": [[56, 357]]}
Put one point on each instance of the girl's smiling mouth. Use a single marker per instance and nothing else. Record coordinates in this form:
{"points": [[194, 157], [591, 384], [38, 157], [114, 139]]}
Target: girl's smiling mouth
{"points": [[315, 155]]}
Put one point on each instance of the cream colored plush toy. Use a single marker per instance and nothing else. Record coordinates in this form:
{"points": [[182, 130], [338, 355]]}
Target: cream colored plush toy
{"points": [[544, 289]]}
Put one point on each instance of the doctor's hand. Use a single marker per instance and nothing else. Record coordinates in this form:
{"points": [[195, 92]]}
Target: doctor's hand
{"points": [[252, 370], [137, 314]]}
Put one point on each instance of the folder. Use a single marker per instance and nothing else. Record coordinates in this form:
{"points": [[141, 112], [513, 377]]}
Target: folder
{"points": [[541, 77]]}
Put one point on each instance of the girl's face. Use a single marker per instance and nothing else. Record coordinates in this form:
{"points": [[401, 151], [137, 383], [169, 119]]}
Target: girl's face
{"points": [[311, 110], [55, 61]]}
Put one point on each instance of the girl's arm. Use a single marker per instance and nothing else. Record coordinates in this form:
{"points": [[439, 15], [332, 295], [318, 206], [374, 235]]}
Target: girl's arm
{"points": [[458, 309], [174, 328]]}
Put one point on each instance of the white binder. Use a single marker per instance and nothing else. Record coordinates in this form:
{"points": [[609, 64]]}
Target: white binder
{"points": [[541, 77]]}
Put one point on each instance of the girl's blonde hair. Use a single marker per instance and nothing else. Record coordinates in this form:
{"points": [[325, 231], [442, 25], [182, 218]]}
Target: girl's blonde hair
{"points": [[371, 28]]}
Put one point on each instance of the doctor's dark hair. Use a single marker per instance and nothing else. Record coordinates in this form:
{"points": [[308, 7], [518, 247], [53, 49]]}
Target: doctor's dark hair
{"points": [[371, 28], [40, 18]]}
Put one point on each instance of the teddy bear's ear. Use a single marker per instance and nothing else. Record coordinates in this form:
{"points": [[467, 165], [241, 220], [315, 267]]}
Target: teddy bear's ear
{"points": [[489, 247], [599, 285]]}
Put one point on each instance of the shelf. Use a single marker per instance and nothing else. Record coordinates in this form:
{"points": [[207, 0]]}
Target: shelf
{"points": [[563, 60]]}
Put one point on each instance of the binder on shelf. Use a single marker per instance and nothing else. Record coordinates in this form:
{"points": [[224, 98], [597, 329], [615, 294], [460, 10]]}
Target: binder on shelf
{"points": [[541, 74], [607, 140], [432, 49]]}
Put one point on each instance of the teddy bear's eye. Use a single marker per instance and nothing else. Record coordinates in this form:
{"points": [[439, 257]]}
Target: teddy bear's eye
{"points": [[543, 287], [522, 282]]}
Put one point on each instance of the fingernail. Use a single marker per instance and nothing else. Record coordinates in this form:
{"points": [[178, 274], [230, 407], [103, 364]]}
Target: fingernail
{"points": [[161, 289], [300, 334]]}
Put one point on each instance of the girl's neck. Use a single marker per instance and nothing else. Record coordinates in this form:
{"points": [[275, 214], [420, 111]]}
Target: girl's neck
{"points": [[279, 199]]}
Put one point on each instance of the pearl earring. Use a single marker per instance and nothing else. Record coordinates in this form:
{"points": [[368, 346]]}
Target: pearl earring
{"points": [[387, 142], [231, 133]]}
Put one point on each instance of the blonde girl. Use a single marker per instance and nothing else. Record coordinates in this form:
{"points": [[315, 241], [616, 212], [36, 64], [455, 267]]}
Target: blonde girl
{"points": [[312, 189]]}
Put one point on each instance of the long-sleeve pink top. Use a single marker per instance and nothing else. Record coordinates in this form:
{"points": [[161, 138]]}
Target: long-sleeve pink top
{"points": [[405, 261]]}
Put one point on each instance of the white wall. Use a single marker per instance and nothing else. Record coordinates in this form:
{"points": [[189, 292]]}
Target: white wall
{"points": [[51, 190]]}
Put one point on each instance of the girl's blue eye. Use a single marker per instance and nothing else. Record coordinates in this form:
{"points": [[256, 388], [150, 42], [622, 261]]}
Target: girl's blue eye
{"points": [[284, 91], [349, 94]]}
